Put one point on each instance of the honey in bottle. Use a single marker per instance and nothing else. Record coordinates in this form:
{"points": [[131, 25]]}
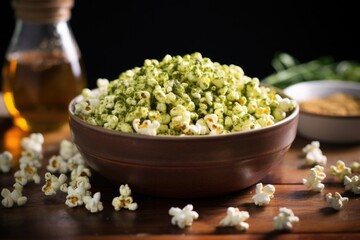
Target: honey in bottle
{"points": [[43, 70]]}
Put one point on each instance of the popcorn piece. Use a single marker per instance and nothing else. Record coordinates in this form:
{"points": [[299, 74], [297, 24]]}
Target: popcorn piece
{"points": [[340, 170], [57, 164], [263, 194], [183, 217], [75, 161], [102, 84], [6, 159], [112, 121], [34, 142], [336, 201], [313, 180], [9, 198], [30, 158], [7, 201], [80, 171], [125, 190], [197, 129], [285, 105], [311, 147], [124, 200], [93, 204], [355, 167], [147, 127], [21, 177], [180, 118], [352, 184], [52, 183], [314, 155], [283, 221], [87, 105], [265, 120], [212, 123], [235, 218], [64, 188], [67, 149]]}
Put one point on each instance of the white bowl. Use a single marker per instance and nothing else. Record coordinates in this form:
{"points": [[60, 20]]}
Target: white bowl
{"points": [[333, 129]]}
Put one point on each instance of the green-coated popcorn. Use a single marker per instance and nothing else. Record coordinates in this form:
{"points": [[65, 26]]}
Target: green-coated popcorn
{"points": [[188, 95]]}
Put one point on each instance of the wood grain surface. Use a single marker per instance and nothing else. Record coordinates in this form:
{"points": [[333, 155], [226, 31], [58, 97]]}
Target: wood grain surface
{"points": [[47, 217]]}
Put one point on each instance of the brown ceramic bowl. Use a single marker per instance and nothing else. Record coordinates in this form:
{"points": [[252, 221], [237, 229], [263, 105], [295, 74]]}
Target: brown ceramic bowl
{"points": [[184, 167]]}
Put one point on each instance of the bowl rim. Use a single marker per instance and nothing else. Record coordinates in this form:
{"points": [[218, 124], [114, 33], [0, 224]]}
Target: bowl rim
{"points": [[355, 117], [330, 83], [294, 114]]}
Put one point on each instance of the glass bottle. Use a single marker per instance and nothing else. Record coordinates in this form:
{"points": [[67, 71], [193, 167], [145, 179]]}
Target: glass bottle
{"points": [[43, 68]]}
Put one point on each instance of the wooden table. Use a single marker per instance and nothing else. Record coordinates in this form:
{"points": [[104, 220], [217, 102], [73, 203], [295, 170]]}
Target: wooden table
{"points": [[48, 217]]}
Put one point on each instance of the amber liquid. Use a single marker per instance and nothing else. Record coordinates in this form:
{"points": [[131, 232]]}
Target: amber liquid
{"points": [[38, 87]]}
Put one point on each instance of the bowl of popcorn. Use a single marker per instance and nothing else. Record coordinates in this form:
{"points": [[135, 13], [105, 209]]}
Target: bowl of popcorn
{"points": [[183, 127], [329, 110]]}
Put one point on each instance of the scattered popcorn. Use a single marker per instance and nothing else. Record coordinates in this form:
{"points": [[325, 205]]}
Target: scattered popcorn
{"points": [[314, 179], [314, 155], [93, 204], [34, 142], [263, 194], [9, 198], [352, 184], [336, 201], [283, 221], [79, 186], [30, 161], [183, 217], [355, 167], [124, 200], [6, 160], [147, 127], [53, 183], [340, 170], [68, 160], [235, 218]]}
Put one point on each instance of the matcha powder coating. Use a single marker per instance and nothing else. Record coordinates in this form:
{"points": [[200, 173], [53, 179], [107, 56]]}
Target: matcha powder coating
{"points": [[189, 95]]}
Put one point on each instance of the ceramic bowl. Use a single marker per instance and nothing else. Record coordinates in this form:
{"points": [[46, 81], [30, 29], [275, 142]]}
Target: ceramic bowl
{"points": [[183, 167], [327, 128]]}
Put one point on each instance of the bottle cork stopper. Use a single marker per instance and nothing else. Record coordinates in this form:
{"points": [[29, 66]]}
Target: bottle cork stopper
{"points": [[43, 11]]}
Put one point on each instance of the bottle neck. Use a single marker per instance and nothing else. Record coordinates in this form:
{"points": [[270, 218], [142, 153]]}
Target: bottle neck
{"points": [[44, 11], [47, 37]]}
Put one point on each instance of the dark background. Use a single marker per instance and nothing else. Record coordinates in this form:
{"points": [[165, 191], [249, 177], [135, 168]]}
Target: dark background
{"points": [[117, 35]]}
